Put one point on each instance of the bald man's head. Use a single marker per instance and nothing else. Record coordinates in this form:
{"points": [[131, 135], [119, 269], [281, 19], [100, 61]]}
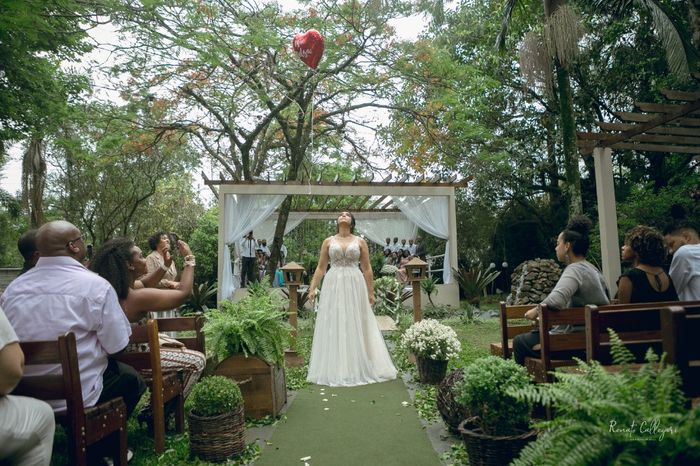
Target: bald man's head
{"points": [[60, 238]]}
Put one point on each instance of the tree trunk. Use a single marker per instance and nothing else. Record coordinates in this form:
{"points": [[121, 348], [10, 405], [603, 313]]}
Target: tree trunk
{"points": [[34, 181], [694, 14], [568, 133]]}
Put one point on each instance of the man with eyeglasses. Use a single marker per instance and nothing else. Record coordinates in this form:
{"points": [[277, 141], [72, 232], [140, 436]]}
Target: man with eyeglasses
{"points": [[62, 295]]}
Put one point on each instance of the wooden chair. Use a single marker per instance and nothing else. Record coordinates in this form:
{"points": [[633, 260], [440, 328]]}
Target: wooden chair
{"points": [[163, 386], [679, 331], [511, 326], [84, 426], [552, 346], [193, 323]]}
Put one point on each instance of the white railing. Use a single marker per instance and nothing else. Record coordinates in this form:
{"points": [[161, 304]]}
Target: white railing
{"points": [[431, 260]]}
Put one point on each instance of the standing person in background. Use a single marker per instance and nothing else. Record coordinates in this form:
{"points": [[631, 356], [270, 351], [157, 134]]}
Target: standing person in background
{"points": [[249, 269], [387, 246], [420, 248], [411, 247], [160, 246], [283, 255], [265, 249], [395, 246], [684, 243], [580, 284], [646, 281], [27, 427], [27, 248]]}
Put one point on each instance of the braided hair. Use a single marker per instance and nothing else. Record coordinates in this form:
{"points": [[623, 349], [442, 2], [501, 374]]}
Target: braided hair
{"points": [[111, 262]]}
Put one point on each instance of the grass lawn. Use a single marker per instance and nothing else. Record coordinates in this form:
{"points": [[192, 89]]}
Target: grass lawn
{"points": [[474, 334]]}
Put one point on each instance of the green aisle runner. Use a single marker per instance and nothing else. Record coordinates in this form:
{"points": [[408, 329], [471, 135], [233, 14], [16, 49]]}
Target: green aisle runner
{"points": [[358, 426]]}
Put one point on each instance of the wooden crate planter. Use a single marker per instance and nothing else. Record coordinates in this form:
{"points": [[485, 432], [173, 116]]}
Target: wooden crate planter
{"points": [[263, 386]]}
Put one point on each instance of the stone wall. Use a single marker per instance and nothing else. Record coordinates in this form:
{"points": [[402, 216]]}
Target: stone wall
{"points": [[532, 281]]}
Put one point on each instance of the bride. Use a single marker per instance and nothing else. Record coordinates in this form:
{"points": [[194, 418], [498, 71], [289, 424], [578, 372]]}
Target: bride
{"points": [[348, 348]]}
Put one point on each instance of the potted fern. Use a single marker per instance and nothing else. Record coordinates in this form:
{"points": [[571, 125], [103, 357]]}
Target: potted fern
{"points": [[249, 338], [632, 416], [497, 426], [215, 419]]}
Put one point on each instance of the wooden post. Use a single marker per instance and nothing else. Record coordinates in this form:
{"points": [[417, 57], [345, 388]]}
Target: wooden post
{"points": [[417, 312], [293, 310], [607, 216], [292, 273]]}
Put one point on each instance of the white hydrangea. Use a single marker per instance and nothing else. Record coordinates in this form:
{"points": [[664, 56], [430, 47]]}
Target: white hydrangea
{"points": [[431, 339]]}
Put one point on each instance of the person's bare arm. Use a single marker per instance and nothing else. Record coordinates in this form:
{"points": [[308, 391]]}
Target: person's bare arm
{"points": [[367, 270], [624, 290], [11, 367], [320, 270]]}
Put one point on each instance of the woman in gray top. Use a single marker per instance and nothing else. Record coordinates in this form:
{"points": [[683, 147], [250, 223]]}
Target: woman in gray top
{"points": [[581, 283]]}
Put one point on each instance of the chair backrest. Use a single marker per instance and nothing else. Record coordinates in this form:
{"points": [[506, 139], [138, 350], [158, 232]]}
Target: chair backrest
{"points": [[511, 317], [679, 331], [638, 325], [63, 386], [185, 324]]}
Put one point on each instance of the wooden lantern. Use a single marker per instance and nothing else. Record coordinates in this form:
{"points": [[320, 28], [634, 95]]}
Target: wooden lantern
{"points": [[416, 272], [293, 274]]}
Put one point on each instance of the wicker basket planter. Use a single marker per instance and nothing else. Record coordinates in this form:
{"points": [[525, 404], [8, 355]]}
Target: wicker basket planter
{"points": [[451, 410], [431, 371], [217, 438], [489, 450]]}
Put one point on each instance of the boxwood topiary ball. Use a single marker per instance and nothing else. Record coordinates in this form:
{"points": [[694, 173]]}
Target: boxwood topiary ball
{"points": [[213, 396]]}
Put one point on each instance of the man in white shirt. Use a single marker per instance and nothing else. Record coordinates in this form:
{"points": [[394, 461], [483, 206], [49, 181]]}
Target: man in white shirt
{"points": [[248, 260], [60, 295], [395, 246], [684, 244], [387, 246], [283, 254], [265, 249], [27, 427], [411, 247]]}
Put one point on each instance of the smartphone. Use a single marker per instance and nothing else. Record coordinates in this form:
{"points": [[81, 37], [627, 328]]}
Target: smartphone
{"points": [[173, 241]]}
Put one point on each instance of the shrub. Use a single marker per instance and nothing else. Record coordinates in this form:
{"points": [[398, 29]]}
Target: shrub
{"points": [[430, 339], [213, 396], [474, 282], [254, 325], [485, 391], [625, 417], [389, 296]]}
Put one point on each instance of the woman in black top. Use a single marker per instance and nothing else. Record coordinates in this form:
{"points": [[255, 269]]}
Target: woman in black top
{"points": [[646, 281]]}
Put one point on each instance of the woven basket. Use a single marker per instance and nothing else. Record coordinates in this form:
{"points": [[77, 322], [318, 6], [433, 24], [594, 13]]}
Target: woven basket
{"points": [[488, 450], [452, 412], [217, 438], [431, 371]]}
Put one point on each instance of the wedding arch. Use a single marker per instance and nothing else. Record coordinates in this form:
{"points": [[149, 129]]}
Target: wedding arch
{"points": [[377, 206]]}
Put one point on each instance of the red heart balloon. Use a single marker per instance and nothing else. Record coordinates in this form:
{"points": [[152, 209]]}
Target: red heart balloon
{"points": [[309, 46]]}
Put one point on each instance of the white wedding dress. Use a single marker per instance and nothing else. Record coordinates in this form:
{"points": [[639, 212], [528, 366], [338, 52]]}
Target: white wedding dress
{"points": [[348, 348]]}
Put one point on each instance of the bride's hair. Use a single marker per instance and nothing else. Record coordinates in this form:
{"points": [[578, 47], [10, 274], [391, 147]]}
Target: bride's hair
{"points": [[352, 224]]}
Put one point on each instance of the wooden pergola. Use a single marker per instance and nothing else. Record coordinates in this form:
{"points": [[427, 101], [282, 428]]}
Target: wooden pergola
{"points": [[672, 127], [322, 200]]}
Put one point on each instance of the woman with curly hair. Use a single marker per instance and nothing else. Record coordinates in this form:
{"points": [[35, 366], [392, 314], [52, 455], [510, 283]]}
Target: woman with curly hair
{"points": [[646, 281], [580, 283], [120, 262]]}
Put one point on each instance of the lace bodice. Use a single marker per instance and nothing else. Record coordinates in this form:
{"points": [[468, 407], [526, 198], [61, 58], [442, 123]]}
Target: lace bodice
{"points": [[350, 257]]}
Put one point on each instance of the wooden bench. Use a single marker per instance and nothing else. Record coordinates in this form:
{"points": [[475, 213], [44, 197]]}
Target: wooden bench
{"points": [[511, 325], [164, 386], [84, 426], [680, 332], [638, 325], [550, 345]]}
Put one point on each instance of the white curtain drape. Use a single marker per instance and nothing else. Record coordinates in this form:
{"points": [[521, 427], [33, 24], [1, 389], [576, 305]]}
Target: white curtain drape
{"points": [[430, 214], [243, 212], [266, 230], [378, 229]]}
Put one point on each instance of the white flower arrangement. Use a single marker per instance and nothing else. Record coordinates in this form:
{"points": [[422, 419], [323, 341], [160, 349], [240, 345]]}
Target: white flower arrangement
{"points": [[388, 269], [431, 339]]}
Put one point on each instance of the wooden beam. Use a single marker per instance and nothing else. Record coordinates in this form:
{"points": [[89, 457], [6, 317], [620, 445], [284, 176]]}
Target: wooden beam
{"points": [[657, 148], [670, 109], [626, 127], [337, 204], [364, 201], [642, 117], [213, 189], [377, 202], [670, 139], [680, 95]]}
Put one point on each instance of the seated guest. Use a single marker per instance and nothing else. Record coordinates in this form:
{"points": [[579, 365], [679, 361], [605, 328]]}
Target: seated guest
{"points": [[27, 248], [120, 261], [27, 427], [580, 284], [65, 297], [684, 244], [646, 281], [401, 273]]}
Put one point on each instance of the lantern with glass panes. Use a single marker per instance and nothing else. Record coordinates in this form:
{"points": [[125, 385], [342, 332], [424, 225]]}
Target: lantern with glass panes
{"points": [[415, 273]]}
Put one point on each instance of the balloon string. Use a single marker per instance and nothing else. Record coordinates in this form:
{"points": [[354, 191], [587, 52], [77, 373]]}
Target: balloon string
{"points": [[311, 157]]}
